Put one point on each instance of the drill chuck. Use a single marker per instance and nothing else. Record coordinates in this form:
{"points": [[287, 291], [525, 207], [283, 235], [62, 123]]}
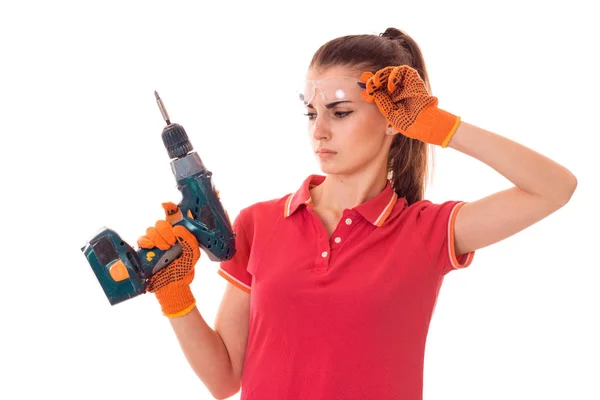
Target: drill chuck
{"points": [[176, 141]]}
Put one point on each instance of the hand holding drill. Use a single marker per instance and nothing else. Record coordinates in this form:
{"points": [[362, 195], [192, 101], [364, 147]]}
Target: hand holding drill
{"points": [[171, 285]]}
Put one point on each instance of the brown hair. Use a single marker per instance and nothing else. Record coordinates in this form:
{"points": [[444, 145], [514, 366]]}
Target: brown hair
{"points": [[408, 160]]}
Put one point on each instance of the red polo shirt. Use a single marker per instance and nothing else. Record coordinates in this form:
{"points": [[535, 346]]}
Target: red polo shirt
{"points": [[346, 316]]}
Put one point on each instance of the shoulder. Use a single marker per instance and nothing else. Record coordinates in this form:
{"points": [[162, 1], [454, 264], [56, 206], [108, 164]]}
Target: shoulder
{"points": [[266, 210], [429, 212]]}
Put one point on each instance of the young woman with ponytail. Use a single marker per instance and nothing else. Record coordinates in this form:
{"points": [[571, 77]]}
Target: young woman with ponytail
{"points": [[332, 288]]}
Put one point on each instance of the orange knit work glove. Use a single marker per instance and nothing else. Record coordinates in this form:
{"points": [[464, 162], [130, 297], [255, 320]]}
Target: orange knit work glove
{"points": [[402, 97], [171, 285]]}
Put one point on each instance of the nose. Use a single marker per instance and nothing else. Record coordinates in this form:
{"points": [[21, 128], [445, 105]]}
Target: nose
{"points": [[320, 128]]}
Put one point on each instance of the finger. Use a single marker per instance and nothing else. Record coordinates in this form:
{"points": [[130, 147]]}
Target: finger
{"points": [[372, 86], [366, 97], [170, 208], [382, 76], [400, 77], [365, 76], [165, 230], [364, 79], [155, 237], [394, 79], [172, 212], [370, 89], [145, 242]]}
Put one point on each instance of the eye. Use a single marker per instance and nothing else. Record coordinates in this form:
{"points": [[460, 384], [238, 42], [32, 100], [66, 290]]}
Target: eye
{"points": [[338, 114], [342, 114]]}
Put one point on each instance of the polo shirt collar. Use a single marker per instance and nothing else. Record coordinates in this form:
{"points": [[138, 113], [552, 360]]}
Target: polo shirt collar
{"points": [[375, 210]]}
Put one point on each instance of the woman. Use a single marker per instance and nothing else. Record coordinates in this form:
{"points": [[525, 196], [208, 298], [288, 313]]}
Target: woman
{"points": [[332, 288]]}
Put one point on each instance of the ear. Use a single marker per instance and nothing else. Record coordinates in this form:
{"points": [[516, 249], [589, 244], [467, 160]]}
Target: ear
{"points": [[391, 130]]}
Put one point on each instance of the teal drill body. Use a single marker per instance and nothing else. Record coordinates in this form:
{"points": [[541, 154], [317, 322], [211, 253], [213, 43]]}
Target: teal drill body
{"points": [[203, 215]]}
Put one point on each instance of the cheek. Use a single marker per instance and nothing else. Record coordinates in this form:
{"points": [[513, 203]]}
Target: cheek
{"points": [[367, 137], [370, 128], [374, 116]]}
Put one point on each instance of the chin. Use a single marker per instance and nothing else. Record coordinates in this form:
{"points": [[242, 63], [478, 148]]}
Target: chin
{"points": [[329, 168]]}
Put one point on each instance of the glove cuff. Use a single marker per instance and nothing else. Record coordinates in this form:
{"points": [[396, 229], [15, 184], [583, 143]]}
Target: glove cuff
{"points": [[434, 126], [176, 300]]}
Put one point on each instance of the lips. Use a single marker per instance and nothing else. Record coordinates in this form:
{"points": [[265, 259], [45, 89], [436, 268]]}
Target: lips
{"points": [[325, 151], [325, 154]]}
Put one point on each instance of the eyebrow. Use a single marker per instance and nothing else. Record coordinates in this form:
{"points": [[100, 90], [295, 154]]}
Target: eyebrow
{"points": [[331, 105]]}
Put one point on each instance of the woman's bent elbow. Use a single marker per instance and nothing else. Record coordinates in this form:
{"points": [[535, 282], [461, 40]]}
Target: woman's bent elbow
{"points": [[226, 391]]}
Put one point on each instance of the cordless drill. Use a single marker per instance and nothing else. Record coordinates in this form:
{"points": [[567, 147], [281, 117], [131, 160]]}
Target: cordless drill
{"points": [[122, 271]]}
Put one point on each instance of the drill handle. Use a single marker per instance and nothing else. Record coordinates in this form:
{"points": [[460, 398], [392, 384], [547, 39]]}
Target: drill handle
{"points": [[153, 260]]}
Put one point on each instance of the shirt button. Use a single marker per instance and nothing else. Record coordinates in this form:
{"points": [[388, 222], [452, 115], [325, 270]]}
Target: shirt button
{"points": [[338, 239], [324, 254], [348, 221]]}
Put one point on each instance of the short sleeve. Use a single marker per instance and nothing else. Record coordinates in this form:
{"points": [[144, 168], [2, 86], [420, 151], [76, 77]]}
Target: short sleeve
{"points": [[235, 269], [435, 223]]}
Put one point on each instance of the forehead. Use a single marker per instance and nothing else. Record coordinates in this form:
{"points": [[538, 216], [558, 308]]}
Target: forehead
{"points": [[318, 73]]}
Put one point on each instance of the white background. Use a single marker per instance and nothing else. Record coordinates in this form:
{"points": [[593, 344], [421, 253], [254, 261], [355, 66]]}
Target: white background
{"points": [[81, 149]]}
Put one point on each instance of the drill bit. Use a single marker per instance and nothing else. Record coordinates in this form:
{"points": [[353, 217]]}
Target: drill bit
{"points": [[161, 107]]}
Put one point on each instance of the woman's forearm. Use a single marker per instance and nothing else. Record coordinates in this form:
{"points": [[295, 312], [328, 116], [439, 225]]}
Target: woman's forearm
{"points": [[528, 170], [206, 353]]}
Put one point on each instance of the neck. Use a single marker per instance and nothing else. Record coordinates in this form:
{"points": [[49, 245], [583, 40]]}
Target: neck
{"points": [[340, 192]]}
